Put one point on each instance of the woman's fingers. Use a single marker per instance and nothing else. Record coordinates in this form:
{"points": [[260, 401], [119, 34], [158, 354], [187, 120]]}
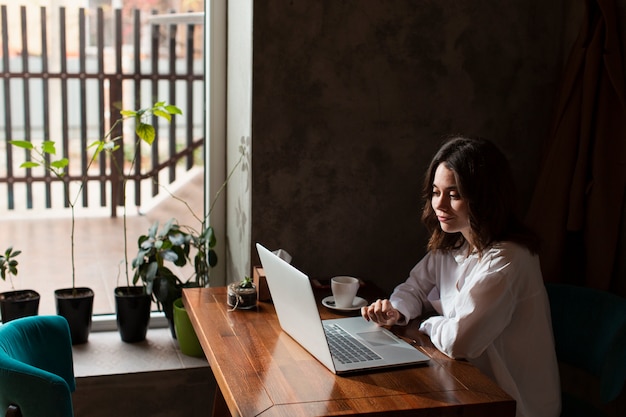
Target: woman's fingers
{"points": [[380, 312]]}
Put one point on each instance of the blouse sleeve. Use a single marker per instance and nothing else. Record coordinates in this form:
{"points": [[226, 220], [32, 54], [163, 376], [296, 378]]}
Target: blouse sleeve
{"points": [[480, 311], [411, 297]]}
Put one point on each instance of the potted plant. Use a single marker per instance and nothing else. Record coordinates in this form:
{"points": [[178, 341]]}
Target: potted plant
{"points": [[132, 302], [15, 303], [73, 303], [158, 251], [242, 295], [177, 245]]}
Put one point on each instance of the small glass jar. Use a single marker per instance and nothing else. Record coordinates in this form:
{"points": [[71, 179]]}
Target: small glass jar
{"points": [[242, 298]]}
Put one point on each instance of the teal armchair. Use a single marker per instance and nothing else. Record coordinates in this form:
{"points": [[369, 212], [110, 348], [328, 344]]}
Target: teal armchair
{"points": [[36, 368], [590, 339]]}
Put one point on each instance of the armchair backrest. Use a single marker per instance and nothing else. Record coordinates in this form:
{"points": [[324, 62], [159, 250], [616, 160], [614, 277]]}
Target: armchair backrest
{"points": [[36, 366], [590, 333]]}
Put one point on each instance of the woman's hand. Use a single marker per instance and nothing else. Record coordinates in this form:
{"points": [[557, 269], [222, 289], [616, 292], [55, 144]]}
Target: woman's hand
{"points": [[381, 312]]}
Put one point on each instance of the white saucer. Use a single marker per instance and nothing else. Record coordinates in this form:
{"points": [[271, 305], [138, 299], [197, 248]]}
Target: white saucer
{"points": [[329, 302]]}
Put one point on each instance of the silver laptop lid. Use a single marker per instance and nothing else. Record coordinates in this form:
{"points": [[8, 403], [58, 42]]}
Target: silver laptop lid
{"points": [[295, 305]]}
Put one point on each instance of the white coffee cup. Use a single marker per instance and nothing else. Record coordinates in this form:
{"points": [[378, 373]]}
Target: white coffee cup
{"points": [[344, 290]]}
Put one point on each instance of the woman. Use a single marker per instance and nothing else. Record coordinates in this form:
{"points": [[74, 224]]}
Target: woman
{"points": [[481, 277]]}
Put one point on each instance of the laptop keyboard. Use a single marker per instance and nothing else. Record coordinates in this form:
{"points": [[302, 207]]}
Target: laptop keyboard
{"points": [[345, 348]]}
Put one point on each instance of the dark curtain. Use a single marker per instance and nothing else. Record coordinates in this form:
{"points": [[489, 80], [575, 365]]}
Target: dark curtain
{"points": [[578, 201]]}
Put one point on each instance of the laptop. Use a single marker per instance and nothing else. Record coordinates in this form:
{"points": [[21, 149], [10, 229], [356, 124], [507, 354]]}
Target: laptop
{"points": [[350, 344]]}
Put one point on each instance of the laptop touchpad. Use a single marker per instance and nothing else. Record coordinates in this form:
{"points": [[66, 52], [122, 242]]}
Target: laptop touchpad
{"points": [[377, 338]]}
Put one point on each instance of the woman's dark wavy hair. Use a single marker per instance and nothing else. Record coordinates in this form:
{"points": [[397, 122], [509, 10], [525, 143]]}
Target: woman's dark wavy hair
{"points": [[484, 180]]}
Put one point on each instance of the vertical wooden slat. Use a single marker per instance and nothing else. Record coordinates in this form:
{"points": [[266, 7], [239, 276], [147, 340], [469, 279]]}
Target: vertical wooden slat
{"points": [[172, 98], [190, 92], [154, 58], [26, 98], [46, 97], [101, 106], [137, 84], [64, 97], [82, 73], [115, 104], [8, 117]]}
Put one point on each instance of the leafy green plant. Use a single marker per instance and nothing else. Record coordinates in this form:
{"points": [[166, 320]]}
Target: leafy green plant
{"points": [[246, 282], [170, 244], [8, 264], [157, 249], [178, 245]]}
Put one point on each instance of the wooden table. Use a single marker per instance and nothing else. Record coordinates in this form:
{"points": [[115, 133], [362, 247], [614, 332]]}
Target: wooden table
{"points": [[260, 370]]}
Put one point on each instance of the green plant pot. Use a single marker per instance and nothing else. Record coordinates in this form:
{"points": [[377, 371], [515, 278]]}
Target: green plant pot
{"points": [[186, 335]]}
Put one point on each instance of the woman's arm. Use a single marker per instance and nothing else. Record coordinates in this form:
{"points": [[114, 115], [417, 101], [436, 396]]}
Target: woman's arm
{"points": [[409, 299], [478, 312]]}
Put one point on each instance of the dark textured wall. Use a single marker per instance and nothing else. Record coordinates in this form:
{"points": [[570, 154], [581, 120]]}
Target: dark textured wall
{"points": [[351, 98]]}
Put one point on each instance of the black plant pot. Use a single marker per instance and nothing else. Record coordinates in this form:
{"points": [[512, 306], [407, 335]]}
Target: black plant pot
{"points": [[76, 305], [166, 292], [17, 304], [132, 306], [168, 309]]}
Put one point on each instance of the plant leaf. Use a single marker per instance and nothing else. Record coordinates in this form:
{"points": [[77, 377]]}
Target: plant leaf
{"points": [[210, 237], [153, 229], [22, 144], [145, 132], [170, 256], [99, 145], [180, 256], [167, 227], [212, 258], [163, 114], [29, 164], [178, 238], [49, 147], [173, 109], [151, 271], [61, 163]]}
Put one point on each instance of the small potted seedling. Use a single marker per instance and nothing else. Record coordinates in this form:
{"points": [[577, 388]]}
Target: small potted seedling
{"points": [[15, 303], [242, 295]]}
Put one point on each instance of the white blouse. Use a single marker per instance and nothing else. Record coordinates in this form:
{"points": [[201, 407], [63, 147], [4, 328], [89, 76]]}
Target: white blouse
{"points": [[493, 311]]}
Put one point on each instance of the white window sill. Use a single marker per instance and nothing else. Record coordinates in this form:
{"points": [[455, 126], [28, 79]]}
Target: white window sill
{"points": [[108, 322]]}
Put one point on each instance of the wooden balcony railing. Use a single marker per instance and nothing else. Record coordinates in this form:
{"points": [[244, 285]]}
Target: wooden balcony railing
{"points": [[67, 83]]}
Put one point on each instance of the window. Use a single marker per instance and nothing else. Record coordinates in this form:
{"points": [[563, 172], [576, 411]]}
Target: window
{"points": [[72, 98]]}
